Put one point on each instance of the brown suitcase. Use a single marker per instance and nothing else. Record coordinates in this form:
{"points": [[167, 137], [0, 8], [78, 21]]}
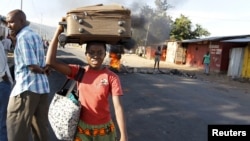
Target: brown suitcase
{"points": [[109, 23]]}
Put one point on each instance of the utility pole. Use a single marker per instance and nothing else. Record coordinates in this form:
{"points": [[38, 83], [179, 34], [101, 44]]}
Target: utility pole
{"points": [[21, 4], [147, 35], [41, 25]]}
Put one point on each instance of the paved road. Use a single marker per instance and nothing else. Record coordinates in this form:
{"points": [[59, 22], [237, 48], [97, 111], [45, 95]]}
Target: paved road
{"points": [[164, 107]]}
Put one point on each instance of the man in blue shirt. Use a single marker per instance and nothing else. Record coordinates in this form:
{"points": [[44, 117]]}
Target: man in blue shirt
{"points": [[28, 103]]}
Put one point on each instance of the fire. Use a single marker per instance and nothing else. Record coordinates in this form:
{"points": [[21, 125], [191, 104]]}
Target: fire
{"points": [[115, 60]]}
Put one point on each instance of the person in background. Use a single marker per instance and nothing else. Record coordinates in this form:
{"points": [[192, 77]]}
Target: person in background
{"points": [[5, 89], [97, 84], [12, 37], [157, 58], [7, 44], [206, 62], [28, 103], [45, 45]]}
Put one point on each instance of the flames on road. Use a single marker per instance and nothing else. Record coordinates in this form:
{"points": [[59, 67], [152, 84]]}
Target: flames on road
{"points": [[115, 60], [116, 51], [115, 55]]}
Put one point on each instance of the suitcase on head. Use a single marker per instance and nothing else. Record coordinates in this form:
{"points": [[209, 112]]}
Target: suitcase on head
{"points": [[109, 23]]}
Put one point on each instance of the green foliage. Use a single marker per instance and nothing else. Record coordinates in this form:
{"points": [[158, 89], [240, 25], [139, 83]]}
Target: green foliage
{"points": [[182, 29], [199, 31]]}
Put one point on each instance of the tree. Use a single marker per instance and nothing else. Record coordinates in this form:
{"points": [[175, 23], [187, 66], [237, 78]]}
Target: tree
{"points": [[162, 6], [199, 31], [182, 29]]}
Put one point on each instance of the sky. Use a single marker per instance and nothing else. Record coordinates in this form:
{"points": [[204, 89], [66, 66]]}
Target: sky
{"points": [[219, 17]]}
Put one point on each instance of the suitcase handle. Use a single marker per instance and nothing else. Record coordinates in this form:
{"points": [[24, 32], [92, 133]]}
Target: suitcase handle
{"points": [[63, 23], [62, 38]]}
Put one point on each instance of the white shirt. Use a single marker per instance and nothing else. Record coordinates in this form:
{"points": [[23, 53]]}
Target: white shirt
{"points": [[3, 61], [7, 44]]}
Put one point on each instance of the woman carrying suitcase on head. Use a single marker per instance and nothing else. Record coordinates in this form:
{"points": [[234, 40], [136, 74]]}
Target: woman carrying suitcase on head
{"points": [[96, 86]]}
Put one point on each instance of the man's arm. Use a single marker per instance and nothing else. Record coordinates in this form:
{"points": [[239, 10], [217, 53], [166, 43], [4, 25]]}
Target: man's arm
{"points": [[36, 69], [51, 60], [5, 77]]}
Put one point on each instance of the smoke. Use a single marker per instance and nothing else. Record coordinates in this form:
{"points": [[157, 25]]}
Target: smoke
{"points": [[176, 3], [148, 27], [128, 43], [135, 7], [137, 21]]}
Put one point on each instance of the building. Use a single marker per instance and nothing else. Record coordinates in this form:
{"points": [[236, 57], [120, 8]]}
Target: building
{"points": [[229, 54]]}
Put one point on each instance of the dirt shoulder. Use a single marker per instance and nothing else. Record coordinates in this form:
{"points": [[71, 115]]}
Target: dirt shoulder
{"points": [[133, 60]]}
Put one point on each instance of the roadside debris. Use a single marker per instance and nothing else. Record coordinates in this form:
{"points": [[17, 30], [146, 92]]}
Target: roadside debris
{"points": [[127, 69]]}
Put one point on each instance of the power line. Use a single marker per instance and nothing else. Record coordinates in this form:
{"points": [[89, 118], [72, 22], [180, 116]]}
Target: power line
{"points": [[243, 19]]}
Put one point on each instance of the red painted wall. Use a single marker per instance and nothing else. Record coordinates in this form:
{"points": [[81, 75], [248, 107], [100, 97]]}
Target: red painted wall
{"points": [[195, 53], [226, 47], [215, 56], [150, 52], [219, 53]]}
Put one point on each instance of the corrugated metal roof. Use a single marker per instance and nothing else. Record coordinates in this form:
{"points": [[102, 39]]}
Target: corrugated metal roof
{"points": [[239, 40], [214, 38], [191, 41]]}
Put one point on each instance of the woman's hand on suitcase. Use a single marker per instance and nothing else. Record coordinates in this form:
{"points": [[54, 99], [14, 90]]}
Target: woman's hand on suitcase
{"points": [[60, 27]]}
